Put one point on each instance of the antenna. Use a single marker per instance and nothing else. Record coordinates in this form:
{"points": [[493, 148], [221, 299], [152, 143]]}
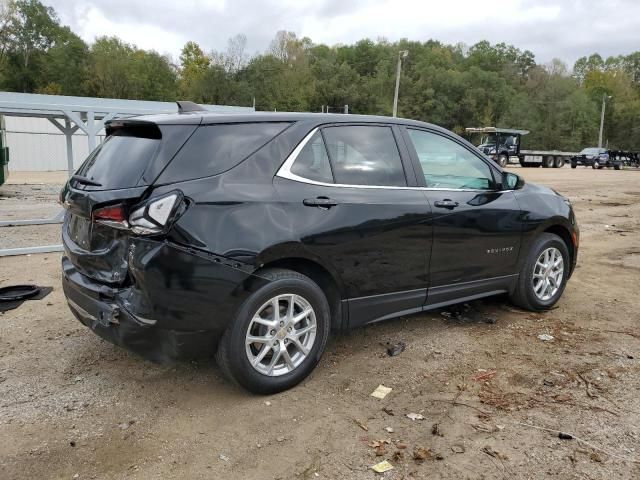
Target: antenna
{"points": [[189, 107]]}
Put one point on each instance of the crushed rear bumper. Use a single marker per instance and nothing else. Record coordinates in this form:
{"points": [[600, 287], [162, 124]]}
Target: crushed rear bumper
{"points": [[176, 306]]}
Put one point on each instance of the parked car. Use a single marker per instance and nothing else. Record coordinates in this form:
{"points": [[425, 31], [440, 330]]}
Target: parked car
{"points": [[596, 158], [254, 236]]}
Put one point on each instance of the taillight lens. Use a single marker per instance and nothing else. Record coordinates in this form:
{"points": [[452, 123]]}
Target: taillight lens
{"points": [[156, 214], [113, 216], [150, 218]]}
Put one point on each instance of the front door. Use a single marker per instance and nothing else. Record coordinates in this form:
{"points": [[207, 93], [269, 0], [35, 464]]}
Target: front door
{"points": [[349, 197], [476, 226]]}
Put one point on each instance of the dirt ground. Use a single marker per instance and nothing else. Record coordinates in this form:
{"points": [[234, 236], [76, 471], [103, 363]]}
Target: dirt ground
{"points": [[492, 394]]}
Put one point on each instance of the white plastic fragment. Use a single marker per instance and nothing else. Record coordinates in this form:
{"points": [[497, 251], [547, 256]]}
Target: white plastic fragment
{"points": [[381, 392]]}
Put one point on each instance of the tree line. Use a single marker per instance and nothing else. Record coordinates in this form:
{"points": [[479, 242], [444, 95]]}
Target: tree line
{"points": [[454, 86]]}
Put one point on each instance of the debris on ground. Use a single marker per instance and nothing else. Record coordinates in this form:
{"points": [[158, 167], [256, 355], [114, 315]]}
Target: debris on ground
{"points": [[381, 392], [379, 446], [565, 436], [388, 411], [13, 296], [388, 429], [361, 425], [401, 446], [415, 416], [435, 430], [393, 350], [420, 454], [223, 457], [382, 467], [493, 453], [545, 337], [457, 448], [490, 319], [484, 375]]}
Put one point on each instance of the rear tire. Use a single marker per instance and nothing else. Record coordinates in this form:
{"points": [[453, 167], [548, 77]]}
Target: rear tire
{"points": [[547, 162], [559, 162], [275, 347], [525, 295], [574, 165], [617, 166]]}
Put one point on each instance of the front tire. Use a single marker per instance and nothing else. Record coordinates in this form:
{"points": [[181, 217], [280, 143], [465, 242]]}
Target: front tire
{"points": [[503, 160], [544, 275], [278, 335]]}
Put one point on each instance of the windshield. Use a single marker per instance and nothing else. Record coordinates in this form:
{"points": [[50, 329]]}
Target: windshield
{"points": [[590, 151], [489, 139], [500, 138]]}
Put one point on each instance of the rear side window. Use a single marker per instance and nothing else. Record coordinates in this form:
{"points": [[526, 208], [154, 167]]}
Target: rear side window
{"points": [[364, 155], [312, 162], [121, 159], [214, 149]]}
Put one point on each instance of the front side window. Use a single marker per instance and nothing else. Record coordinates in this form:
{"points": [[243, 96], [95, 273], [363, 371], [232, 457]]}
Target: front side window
{"points": [[364, 155], [446, 164]]}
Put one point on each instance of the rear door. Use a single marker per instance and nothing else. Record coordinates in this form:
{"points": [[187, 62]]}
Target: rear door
{"points": [[476, 227], [351, 197]]}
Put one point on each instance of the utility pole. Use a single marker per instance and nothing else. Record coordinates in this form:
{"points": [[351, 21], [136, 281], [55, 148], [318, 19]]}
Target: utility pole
{"points": [[401, 54], [605, 97]]}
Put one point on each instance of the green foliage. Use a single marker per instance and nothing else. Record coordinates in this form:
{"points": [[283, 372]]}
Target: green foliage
{"points": [[451, 85]]}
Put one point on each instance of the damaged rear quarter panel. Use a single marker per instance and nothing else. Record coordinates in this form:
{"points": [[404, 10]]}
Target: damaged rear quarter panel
{"points": [[183, 289]]}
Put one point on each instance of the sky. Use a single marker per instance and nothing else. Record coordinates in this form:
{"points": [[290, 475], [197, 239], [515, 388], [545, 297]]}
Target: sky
{"points": [[565, 29]]}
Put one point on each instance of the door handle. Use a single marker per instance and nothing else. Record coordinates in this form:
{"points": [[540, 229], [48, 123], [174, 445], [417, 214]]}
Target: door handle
{"points": [[446, 203], [321, 202]]}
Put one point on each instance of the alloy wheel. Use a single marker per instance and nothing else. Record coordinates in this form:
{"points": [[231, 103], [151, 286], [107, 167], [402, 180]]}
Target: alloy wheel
{"points": [[548, 274], [281, 335]]}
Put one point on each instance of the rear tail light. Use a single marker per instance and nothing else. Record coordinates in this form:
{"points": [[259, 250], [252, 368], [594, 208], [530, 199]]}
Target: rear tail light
{"points": [[113, 216], [156, 214], [150, 218]]}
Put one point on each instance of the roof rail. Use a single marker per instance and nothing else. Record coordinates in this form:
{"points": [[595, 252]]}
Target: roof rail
{"points": [[188, 107]]}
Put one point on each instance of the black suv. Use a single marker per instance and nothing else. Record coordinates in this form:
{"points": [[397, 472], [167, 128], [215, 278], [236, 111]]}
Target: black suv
{"points": [[255, 235]]}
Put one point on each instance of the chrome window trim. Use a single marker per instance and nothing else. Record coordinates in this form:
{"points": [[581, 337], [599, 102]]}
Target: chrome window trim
{"points": [[285, 172]]}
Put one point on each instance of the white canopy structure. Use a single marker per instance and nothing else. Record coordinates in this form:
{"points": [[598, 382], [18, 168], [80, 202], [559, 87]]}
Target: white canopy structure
{"points": [[88, 114]]}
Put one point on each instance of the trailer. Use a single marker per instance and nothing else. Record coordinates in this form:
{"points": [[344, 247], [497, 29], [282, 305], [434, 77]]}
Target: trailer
{"points": [[503, 146]]}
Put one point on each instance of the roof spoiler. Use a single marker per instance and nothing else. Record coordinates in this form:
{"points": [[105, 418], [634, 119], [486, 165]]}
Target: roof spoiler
{"points": [[188, 107]]}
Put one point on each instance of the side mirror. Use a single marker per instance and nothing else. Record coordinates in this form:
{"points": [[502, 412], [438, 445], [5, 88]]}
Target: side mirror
{"points": [[511, 181]]}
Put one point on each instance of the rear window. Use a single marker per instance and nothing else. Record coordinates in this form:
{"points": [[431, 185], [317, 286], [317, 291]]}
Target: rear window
{"points": [[214, 149], [121, 159], [364, 155]]}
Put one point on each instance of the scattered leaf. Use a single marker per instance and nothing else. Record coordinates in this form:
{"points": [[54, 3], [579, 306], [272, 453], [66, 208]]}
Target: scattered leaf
{"points": [[420, 454], [415, 416]]}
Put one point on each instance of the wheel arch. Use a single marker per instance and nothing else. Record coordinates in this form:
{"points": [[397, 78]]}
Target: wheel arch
{"points": [[329, 282], [565, 234]]}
